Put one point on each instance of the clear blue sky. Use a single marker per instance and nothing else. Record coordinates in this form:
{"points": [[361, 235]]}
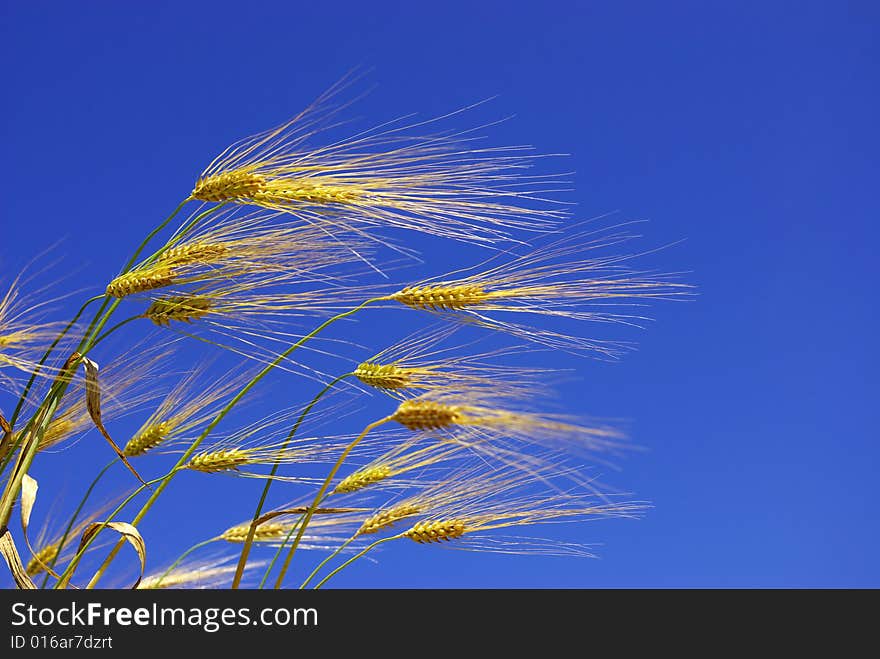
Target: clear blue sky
{"points": [[748, 129]]}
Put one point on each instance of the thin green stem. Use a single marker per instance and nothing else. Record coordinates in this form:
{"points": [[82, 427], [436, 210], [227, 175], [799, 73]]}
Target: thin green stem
{"points": [[195, 547], [249, 540], [312, 508], [117, 326], [153, 234], [73, 519], [336, 553], [355, 557], [220, 416], [180, 235], [280, 549], [92, 339]]}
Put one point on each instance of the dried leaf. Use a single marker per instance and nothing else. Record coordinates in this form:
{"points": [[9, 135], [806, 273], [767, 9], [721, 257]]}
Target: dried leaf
{"points": [[302, 510], [6, 437], [93, 404], [13, 560], [71, 362], [4, 426], [27, 445], [129, 533], [29, 489]]}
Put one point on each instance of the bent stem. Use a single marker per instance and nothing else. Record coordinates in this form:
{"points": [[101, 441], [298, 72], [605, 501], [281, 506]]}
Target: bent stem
{"points": [[195, 547], [280, 549], [249, 540], [355, 557], [181, 233], [320, 496], [336, 553], [220, 416]]}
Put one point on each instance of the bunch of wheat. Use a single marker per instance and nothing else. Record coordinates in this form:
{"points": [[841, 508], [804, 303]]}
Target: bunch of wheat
{"points": [[286, 226]]}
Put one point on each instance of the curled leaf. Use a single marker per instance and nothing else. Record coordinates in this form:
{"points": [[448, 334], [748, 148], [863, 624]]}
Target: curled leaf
{"points": [[93, 404], [128, 532]]}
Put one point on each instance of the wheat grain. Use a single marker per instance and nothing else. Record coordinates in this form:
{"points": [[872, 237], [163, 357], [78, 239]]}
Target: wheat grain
{"points": [[363, 478], [180, 308], [386, 518], [217, 461], [140, 281], [263, 532], [236, 184], [383, 376], [200, 253], [188, 405], [419, 365], [436, 531], [441, 297], [23, 335], [426, 415], [279, 193], [147, 439]]}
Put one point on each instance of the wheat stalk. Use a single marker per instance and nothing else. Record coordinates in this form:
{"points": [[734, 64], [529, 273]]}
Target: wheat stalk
{"points": [[285, 228]]}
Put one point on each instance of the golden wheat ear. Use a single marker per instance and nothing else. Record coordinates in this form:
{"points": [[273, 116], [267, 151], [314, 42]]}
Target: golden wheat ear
{"points": [[576, 278], [445, 183]]}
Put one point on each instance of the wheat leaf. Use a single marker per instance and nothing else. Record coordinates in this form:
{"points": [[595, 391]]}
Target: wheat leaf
{"points": [[13, 560], [93, 404], [129, 533]]}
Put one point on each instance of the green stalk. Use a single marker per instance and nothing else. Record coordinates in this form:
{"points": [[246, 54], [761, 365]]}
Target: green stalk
{"points": [[354, 558], [312, 508], [220, 416], [327, 560], [117, 326], [280, 549], [245, 550], [186, 229], [153, 234]]}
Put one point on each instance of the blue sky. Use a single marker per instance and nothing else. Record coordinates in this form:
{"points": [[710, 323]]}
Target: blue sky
{"points": [[746, 129]]}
